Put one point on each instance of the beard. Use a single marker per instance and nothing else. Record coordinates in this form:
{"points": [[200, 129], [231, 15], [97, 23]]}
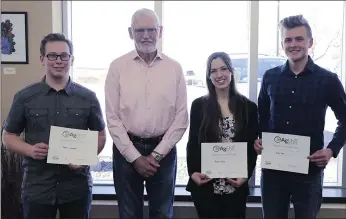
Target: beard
{"points": [[146, 49]]}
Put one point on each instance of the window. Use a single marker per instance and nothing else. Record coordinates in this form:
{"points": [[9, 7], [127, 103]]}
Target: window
{"points": [[326, 52], [193, 31], [99, 34]]}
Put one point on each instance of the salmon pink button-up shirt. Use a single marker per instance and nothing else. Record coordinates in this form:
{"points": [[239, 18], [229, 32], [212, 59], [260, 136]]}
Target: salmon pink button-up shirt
{"points": [[146, 101]]}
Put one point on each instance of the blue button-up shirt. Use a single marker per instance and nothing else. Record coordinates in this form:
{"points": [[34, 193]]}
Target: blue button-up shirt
{"points": [[297, 104]]}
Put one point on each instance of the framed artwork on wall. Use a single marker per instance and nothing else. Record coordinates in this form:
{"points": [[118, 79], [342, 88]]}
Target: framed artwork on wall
{"points": [[14, 38]]}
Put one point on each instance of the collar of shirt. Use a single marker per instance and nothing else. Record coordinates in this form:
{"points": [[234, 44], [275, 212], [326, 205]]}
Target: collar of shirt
{"points": [[309, 68], [135, 55], [46, 88]]}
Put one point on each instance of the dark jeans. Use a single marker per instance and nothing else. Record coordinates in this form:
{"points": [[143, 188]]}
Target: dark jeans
{"points": [[129, 185], [280, 188], [210, 205], [78, 209]]}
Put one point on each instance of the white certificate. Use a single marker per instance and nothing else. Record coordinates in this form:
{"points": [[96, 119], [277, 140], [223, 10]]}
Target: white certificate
{"points": [[285, 152], [75, 146], [221, 160]]}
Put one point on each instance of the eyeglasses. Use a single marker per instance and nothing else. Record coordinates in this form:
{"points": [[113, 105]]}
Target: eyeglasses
{"points": [[150, 31], [54, 56]]}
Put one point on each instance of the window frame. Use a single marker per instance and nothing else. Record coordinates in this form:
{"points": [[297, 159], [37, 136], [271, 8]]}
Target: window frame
{"points": [[343, 78], [253, 24]]}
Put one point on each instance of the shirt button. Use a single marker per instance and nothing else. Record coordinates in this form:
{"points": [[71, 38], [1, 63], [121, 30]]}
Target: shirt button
{"points": [[296, 76], [288, 122], [57, 112], [290, 107], [293, 92]]}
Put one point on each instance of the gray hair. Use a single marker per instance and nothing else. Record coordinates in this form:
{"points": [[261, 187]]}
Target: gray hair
{"points": [[295, 21], [147, 12]]}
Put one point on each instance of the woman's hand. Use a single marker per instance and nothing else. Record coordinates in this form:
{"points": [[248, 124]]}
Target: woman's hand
{"points": [[200, 178], [236, 182]]}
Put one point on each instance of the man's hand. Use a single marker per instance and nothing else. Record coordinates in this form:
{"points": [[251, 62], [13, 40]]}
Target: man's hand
{"points": [[145, 166], [200, 178], [321, 157], [39, 151], [258, 146], [236, 182], [153, 161], [76, 167]]}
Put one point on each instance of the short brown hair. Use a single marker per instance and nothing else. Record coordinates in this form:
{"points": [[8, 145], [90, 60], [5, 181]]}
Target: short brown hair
{"points": [[54, 37], [295, 21]]}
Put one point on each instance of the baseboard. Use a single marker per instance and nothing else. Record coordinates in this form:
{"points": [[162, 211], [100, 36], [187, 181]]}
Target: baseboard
{"points": [[108, 209]]}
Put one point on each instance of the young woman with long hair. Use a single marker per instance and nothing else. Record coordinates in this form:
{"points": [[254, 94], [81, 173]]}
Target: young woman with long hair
{"points": [[223, 115]]}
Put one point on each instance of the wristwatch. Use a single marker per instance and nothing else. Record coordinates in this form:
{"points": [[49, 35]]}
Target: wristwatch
{"points": [[158, 157]]}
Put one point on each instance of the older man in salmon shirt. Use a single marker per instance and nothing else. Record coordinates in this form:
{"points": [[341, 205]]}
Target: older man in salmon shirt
{"points": [[146, 111]]}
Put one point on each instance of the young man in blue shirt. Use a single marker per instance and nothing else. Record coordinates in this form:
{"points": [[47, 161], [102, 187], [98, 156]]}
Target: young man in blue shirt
{"points": [[293, 100]]}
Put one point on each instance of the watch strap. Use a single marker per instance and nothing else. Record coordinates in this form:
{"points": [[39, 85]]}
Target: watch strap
{"points": [[157, 155]]}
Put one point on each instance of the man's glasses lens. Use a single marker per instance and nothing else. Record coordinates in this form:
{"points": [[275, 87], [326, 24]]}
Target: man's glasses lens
{"points": [[141, 31], [63, 57]]}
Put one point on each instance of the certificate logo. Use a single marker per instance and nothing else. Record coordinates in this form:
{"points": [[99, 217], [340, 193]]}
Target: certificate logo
{"points": [[278, 139], [218, 148], [77, 136]]}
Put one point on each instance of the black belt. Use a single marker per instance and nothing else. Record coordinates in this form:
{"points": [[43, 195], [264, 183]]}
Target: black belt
{"points": [[153, 140]]}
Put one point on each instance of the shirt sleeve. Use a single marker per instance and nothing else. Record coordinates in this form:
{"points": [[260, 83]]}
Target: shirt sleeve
{"points": [[95, 121], [193, 151], [15, 121], [180, 123], [115, 126], [263, 107], [337, 102]]}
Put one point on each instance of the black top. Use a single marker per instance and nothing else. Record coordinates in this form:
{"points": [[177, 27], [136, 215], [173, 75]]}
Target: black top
{"points": [[297, 104], [35, 109], [248, 134]]}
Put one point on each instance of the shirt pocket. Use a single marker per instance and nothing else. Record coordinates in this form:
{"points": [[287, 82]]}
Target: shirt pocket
{"points": [[38, 119], [77, 118]]}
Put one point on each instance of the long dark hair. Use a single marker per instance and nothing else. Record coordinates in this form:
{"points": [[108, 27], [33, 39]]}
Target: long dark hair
{"points": [[237, 104]]}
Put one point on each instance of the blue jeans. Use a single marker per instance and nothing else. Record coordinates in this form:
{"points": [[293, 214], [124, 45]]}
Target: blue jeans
{"points": [[280, 188], [129, 185]]}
